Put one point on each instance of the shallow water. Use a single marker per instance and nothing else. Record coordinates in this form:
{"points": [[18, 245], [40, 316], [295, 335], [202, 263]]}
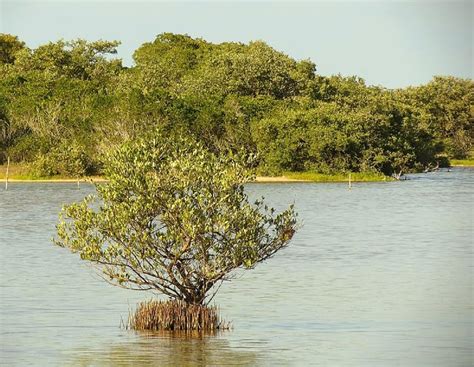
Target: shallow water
{"points": [[380, 275]]}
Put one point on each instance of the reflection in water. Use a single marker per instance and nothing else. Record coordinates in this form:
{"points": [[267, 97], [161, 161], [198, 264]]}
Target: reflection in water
{"points": [[166, 349]]}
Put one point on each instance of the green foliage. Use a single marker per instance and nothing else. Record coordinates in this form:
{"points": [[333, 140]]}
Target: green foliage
{"points": [[56, 92], [463, 162], [467, 162], [26, 148], [248, 70], [173, 218], [230, 96], [67, 160], [15, 172], [449, 101], [9, 47], [339, 177], [162, 64], [326, 137]]}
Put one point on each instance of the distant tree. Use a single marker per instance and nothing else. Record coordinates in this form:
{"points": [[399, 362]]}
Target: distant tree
{"points": [[9, 46], [254, 70], [449, 102], [175, 219], [56, 93]]}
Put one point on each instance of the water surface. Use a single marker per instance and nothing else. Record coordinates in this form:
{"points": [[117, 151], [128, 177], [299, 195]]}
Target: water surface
{"points": [[380, 275]]}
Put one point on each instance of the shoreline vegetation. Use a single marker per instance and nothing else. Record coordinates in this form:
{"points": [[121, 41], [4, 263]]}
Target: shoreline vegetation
{"points": [[65, 105], [462, 162], [19, 173]]}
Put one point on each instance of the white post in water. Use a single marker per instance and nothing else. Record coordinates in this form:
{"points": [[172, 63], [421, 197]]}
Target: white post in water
{"points": [[350, 181], [6, 175]]}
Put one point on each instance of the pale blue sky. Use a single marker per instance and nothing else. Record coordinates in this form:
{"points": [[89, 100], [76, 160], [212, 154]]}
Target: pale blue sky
{"points": [[391, 43]]}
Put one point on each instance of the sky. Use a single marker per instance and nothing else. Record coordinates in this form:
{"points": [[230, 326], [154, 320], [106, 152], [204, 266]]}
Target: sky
{"points": [[386, 42]]}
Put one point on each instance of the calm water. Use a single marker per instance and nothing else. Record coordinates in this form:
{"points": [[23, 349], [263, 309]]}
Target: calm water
{"points": [[378, 276]]}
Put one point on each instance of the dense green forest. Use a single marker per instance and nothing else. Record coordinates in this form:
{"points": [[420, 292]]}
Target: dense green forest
{"points": [[64, 104]]}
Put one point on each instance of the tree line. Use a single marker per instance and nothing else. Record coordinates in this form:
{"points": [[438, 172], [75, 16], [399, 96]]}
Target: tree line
{"points": [[65, 104]]}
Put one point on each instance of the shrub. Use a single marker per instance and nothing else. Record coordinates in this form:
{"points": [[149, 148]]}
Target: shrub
{"points": [[68, 159]]}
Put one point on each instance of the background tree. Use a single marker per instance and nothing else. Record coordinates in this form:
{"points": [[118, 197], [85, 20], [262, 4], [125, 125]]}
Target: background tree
{"points": [[449, 101], [174, 218], [9, 46], [229, 96], [55, 94]]}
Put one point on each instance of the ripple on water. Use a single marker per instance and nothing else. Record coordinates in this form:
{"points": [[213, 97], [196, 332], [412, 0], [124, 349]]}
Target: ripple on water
{"points": [[378, 275]]}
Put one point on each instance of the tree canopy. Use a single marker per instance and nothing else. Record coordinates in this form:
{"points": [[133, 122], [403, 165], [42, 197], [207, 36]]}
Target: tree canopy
{"points": [[229, 96], [174, 218]]}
